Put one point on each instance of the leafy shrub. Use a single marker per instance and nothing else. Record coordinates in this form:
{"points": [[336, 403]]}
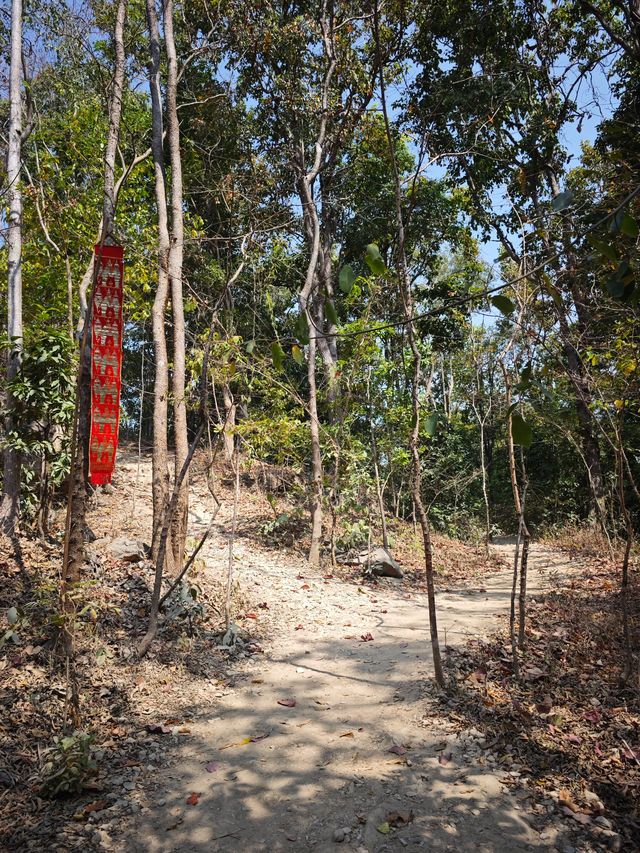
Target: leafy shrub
{"points": [[67, 765], [285, 527], [43, 392], [185, 604]]}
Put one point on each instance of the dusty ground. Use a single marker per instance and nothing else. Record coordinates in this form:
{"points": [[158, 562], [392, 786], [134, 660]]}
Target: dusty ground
{"points": [[320, 731], [327, 773]]}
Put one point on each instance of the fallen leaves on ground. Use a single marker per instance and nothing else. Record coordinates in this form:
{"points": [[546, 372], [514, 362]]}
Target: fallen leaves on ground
{"points": [[399, 818], [569, 725], [96, 806], [245, 740]]}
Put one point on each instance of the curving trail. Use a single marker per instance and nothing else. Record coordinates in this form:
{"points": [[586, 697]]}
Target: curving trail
{"points": [[319, 775]]}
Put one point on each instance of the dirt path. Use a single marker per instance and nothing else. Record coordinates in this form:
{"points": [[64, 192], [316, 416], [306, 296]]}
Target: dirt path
{"points": [[320, 775]]}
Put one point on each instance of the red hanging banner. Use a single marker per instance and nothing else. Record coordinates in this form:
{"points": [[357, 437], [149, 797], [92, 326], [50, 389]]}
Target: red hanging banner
{"points": [[106, 362]]}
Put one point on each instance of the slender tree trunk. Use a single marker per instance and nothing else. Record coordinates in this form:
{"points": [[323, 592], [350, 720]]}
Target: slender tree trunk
{"points": [[308, 296], [524, 561], [512, 607], [316, 456], [414, 438], [10, 505], [176, 252], [629, 662], [574, 367], [376, 470], [76, 507], [67, 265], [590, 445], [485, 492], [160, 461], [228, 430], [232, 538], [523, 530], [482, 416]]}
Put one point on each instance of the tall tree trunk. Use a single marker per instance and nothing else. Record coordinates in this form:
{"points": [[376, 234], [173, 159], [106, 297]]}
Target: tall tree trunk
{"points": [[160, 466], [482, 415], [518, 502], [376, 469], [485, 491], [629, 651], [76, 507], [590, 446], [573, 365], [10, 505], [308, 300], [414, 437], [316, 454], [176, 252]]}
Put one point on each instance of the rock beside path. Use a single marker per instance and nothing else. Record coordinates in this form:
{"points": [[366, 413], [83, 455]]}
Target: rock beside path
{"points": [[128, 550], [379, 561]]}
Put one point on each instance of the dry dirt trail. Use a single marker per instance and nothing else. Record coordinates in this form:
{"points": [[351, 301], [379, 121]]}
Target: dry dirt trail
{"points": [[320, 775]]}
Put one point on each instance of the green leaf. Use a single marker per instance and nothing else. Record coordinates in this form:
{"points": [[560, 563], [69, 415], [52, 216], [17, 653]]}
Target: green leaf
{"points": [[297, 354], [384, 828], [374, 260], [616, 222], [12, 616], [277, 355], [603, 248], [522, 432], [615, 287], [302, 329], [525, 378], [431, 424], [331, 313], [503, 304], [347, 278], [629, 226], [552, 290], [562, 201], [250, 346]]}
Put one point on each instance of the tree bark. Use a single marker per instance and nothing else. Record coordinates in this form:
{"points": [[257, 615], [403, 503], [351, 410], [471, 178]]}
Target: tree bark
{"points": [[10, 505], [76, 508], [160, 459], [376, 469], [414, 437], [176, 252], [229, 426]]}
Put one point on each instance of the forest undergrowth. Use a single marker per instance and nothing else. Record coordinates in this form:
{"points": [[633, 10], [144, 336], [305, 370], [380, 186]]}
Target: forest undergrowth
{"points": [[129, 706], [571, 723]]}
